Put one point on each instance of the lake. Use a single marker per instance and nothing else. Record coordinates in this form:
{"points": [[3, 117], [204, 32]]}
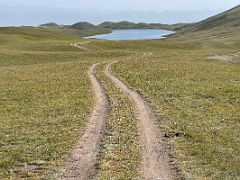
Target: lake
{"points": [[133, 34]]}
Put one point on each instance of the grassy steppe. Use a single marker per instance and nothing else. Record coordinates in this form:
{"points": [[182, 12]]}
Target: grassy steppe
{"points": [[198, 101], [46, 98], [43, 113]]}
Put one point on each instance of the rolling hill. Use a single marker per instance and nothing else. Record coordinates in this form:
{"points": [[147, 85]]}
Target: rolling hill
{"points": [[230, 19], [88, 29], [131, 25], [82, 26], [227, 21], [55, 25]]}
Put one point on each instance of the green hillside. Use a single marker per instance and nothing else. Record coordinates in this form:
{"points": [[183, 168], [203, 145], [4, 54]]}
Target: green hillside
{"points": [[131, 25], [108, 26], [82, 26], [228, 19]]}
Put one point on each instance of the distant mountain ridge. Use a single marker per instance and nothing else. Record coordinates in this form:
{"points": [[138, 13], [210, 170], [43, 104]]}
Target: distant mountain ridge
{"points": [[33, 16], [126, 25], [50, 25], [87, 29], [224, 23], [131, 25]]}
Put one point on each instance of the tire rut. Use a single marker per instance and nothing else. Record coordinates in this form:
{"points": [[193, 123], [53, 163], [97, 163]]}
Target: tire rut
{"points": [[79, 45], [81, 164], [155, 159]]}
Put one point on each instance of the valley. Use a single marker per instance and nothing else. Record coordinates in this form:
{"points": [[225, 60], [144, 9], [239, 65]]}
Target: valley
{"points": [[86, 108]]}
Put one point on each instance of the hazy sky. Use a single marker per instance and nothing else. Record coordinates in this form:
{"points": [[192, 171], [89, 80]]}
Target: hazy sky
{"points": [[35, 12], [154, 5]]}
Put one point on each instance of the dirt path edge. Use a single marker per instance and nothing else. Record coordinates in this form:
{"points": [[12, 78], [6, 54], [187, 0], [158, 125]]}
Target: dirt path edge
{"points": [[155, 156], [82, 163]]}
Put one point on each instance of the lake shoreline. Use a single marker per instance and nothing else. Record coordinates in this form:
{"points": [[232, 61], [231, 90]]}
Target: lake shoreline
{"points": [[133, 34]]}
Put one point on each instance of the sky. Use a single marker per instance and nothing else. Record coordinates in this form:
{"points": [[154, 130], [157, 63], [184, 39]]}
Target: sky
{"points": [[142, 5], [35, 12]]}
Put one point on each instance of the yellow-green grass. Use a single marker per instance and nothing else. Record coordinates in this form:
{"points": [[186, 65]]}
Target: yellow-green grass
{"points": [[43, 112], [120, 155], [199, 102], [46, 98]]}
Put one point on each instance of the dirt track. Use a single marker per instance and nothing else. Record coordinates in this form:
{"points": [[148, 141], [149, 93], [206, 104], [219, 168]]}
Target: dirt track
{"points": [[81, 165], [155, 159], [79, 45]]}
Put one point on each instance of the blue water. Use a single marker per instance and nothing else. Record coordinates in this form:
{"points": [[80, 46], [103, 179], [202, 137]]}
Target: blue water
{"points": [[133, 34]]}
